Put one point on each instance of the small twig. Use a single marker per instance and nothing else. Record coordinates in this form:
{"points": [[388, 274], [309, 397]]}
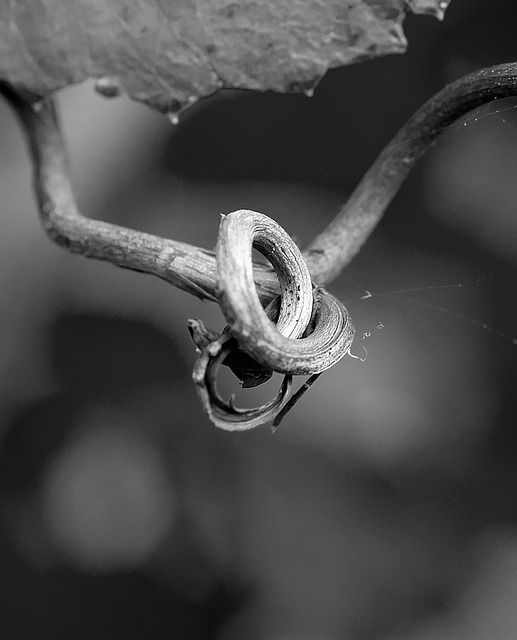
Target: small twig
{"points": [[297, 396], [193, 269]]}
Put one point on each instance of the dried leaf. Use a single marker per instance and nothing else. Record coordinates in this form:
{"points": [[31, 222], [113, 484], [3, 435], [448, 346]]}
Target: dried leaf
{"points": [[169, 53], [248, 371]]}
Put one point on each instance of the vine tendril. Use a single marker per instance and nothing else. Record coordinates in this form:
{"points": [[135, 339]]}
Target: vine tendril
{"points": [[313, 330], [284, 348]]}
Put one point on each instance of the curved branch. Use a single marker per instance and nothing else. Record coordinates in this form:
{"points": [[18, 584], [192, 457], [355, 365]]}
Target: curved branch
{"points": [[193, 269], [182, 265], [335, 247]]}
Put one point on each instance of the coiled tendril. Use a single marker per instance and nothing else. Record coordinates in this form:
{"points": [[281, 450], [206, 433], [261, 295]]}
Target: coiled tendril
{"points": [[313, 330]]}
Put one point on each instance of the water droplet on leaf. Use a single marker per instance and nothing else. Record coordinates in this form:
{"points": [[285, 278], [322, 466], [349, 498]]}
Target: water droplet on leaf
{"points": [[108, 87]]}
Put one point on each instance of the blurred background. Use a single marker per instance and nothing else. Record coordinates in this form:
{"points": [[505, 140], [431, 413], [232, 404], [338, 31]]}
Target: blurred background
{"points": [[385, 505]]}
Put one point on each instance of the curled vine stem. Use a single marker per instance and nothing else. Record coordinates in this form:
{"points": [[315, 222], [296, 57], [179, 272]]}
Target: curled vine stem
{"points": [[312, 333], [276, 346], [226, 415], [194, 269]]}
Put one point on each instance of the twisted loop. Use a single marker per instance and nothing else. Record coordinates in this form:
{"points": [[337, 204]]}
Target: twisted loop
{"points": [[313, 330], [276, 347]]}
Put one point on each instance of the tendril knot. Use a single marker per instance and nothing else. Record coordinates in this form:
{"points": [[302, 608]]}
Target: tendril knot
{"points": [[303, 332]]}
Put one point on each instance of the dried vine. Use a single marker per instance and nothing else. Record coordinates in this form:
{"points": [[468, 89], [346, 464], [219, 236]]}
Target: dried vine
{"points": [[194, 269]]}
